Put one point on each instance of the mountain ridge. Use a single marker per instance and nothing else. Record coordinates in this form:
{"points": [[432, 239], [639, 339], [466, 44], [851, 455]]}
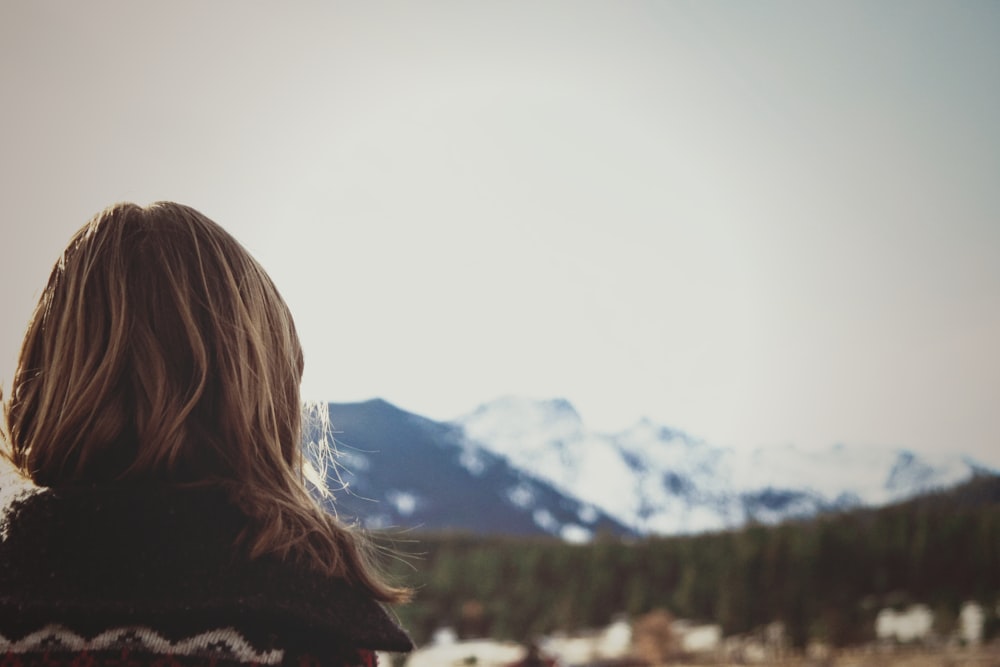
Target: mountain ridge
{"points": [[526, 466], [395, 469]]}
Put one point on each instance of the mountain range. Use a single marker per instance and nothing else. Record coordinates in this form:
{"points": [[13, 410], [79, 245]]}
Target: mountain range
{"points": [[521, 466]]}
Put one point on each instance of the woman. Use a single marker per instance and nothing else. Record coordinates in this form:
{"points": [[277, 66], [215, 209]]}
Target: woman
{"points": [[156, 402]]}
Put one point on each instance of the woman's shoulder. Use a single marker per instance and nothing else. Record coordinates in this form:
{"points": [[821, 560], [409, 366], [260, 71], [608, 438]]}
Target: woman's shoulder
{"points": [[164, 558], [140, 646]]}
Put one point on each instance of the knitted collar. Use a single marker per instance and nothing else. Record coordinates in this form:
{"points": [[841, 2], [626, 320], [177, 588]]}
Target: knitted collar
{"points": [[162, 557]]}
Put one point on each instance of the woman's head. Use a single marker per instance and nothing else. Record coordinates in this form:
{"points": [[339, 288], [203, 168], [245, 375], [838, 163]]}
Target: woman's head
{"points": [[159, 350]]}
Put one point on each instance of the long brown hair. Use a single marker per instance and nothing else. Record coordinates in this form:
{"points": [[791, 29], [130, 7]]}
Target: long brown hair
{"points": [[161, 350]]}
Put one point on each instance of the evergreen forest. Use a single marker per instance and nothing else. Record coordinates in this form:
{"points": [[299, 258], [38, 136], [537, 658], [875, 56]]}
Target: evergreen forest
{"points": [[824, 578]]}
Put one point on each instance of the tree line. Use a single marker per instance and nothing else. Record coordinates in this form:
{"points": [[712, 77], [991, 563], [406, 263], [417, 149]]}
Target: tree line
{"points": [[824, 578]]}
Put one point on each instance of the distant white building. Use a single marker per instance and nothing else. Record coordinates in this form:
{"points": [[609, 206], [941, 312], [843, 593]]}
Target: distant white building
{"points": [[970, 623], [609, 643], [912, 624], [478, 652], [697, 638]]}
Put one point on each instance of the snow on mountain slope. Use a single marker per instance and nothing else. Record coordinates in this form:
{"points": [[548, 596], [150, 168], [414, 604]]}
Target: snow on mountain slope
{"points": [[397, 469], [874, 475], [660, 480], [662, 488], [548, 439]]}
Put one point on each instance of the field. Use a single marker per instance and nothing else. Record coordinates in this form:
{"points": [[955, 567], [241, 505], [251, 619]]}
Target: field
{"points": [[988, 656]]}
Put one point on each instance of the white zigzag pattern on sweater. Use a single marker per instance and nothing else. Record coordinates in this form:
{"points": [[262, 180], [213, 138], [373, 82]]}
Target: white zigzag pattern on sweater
{"points": [[225, 643]]}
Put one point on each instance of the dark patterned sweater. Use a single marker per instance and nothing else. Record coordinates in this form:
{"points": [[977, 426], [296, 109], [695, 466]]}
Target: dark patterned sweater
{"points": [[133, 576]]}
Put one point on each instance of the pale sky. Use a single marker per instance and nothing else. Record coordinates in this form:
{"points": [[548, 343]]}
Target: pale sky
{"points": [[762, 223]]}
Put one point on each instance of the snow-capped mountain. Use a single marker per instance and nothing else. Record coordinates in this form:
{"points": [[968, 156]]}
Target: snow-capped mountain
{"points": [[655, 479], [519, 466], [397, 469]]}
